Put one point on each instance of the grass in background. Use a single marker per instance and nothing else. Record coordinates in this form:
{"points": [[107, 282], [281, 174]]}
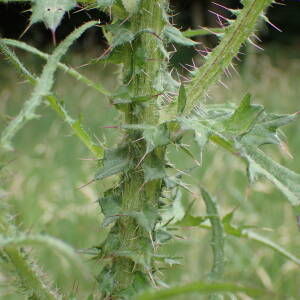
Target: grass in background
{"points": [[41, 183]]}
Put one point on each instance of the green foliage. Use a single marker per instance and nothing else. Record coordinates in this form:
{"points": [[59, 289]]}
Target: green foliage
{"points": [[201, 287], [143, 196], [72, 72], [42, 88], [50, 12], [242, 131], [217, 61]]}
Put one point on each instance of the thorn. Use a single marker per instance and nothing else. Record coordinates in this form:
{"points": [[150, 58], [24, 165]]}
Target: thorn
{"points": [[125, 20], [149, 12], [84, 185], [252, 43], [110, 127], [25, 30], [106, 52], [88, 159], [227, 72], [225, 86], [285, 149], [218, 4], [53, 37], [141, 160], [183, 66], [152, 242], [208, 30], [257, 37], [193, 67], [234, 68], [273, 25], [142, 186], [218, 15], [152, 279]]}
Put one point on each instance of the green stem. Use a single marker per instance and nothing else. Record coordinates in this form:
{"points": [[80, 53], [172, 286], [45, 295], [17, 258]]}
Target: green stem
{"points": [[136, 192], [29, 276], [221, 57]]}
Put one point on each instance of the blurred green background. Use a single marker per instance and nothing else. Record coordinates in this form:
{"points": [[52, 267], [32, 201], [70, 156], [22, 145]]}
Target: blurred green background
{"points": [[40, 180]]}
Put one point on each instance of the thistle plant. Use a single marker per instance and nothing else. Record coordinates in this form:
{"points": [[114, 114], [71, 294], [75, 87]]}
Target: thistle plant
{"points": [[157, 111]]}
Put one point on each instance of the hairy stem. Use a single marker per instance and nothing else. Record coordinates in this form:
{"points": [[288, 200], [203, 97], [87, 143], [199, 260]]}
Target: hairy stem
{"points": [[137, 193], [221, 57], [29, 277]]}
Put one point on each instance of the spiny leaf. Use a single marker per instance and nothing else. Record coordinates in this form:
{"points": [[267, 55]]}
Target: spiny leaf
{"points": [[115, 161], [265, 130], [240, 231], [50, 12], [243, 117], [53, 243], [284, 179], [189, 220], [156, 136], [173, 35], [181, 99], [80, 132], [131, 5], [122, 35], [111, 206], [77, 127], [65, 68], [153, 168], [200, 287], [42, 88], [257, 128], [217, 240], [104, 4]]}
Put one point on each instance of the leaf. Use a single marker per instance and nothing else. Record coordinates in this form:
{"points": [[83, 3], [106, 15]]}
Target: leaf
{"points": [[250, 235], [146, 218], [156, 137], [266, 242], [153, 168], [44, 240], [181, 99], [201, 132], [71, 71], [173, 35], [217, 239], [243, 117], [110, 206], [162, 236], [286, 180], [115, 161], [103, 4], [50, 12], [78, 130], [131, 5], [257, 128], [42, 88], [200, 287], [265, 131], [121, 34], [189, 220]]}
